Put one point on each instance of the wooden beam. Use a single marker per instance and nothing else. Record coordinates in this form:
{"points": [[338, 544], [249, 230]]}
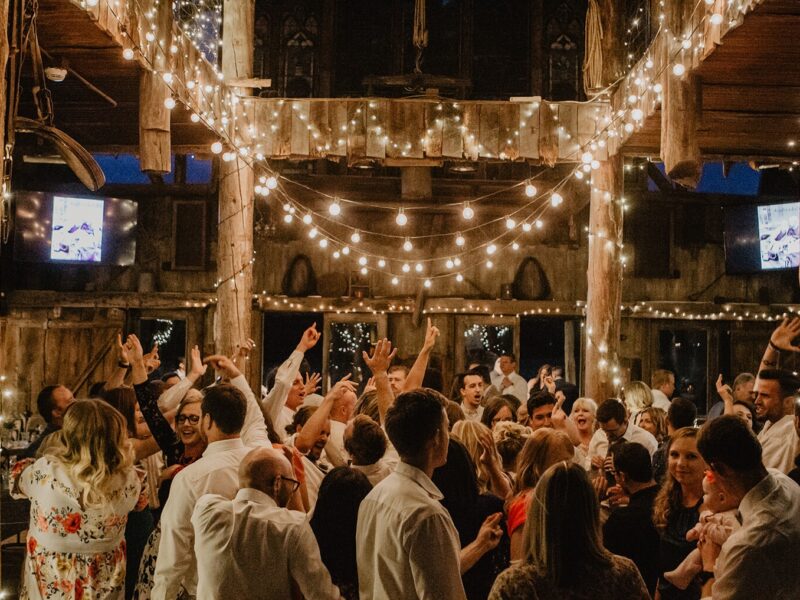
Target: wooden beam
{"points": [[236, 193], [604, 274], [4, 52]]}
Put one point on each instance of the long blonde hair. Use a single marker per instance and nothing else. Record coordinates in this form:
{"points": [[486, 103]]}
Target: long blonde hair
{"points": [[94, 449], [543, 448], [468, 433], [670, 495], [562, 531], [638, 396]]}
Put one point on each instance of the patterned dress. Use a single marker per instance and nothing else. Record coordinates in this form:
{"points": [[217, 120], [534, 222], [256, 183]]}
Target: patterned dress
{"points": [[74, 552]]}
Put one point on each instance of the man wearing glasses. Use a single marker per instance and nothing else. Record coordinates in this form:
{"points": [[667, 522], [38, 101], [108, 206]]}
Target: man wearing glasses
{"points": [[255, 533]]}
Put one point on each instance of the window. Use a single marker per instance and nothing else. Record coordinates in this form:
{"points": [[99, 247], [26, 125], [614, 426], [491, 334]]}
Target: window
{"points": [[564, 33], [346, 337], [483, 339], [170, 335]]}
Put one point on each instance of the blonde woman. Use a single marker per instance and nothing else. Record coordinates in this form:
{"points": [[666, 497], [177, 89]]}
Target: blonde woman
{"points": [[81, 492], [509, 438], [654, 420], [545, 447], [477, 439], [637, 396], [563, 556]]}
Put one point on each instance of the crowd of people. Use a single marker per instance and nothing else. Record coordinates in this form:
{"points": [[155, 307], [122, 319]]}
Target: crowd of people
{"points": [[153, 488]]}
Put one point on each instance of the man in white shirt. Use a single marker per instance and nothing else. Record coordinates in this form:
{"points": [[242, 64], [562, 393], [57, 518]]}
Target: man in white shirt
{"points": [[341, 413], [406, 543], [287, 394], [231, 421], [508, 381], [471, 391], [760, 559], [614, 426], [775, 390], [662, 385], [366, 444], [237, 540]]}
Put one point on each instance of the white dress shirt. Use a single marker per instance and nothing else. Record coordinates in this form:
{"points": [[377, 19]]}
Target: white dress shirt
{"points": [[336, 438], [518, 387], [760, 560], [216, 472], [406, 544], [472, 415], [598, 445], [660, 400], [779, 444], [250, 548], [377, 471], [275, 402]]}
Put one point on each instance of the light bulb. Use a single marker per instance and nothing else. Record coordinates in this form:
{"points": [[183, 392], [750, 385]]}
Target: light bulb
{"points": [[489, 264], [337, 254], [362, 260], [515, 246], [323, 243], [287, 218], [406, 267], [491, 249], [216, 147], [395, 281], [356, 237], [526, 227], [510, 223], [272, 182], [381, 263], [530, 190], [313, 232], [679, 69], [556, 199], [687, 44], [637, 114], [335, 208], [128, 54], [228, 156], [579, 175], [401, 218], [287, 207], [346, 250], [418, 267], [195, 118], [167, 77], [586, 157], [658, 88], [407, 245], [449, 264], [629, 128], [427, 283], [716, 19], [457, 261], [467, 213], [459, 277], [364, 270], [307, 218], [460, 241], [595, 165]]}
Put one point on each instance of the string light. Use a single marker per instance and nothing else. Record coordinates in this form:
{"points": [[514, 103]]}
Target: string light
{"points": [[530, 190], [355, 237], [401, 219], [467, 212], [678, 69], [510, 223], [556, 199], [334, 208], [407, 245]]}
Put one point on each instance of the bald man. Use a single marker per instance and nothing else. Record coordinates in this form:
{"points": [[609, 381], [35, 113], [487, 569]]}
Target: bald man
{"points": [[238, 541]]}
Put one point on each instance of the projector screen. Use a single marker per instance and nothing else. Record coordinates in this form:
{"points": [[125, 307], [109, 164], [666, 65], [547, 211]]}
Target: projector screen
{"points": [[77, 233]]}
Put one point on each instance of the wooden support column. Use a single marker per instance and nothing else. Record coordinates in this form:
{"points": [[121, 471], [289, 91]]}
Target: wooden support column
{"points": [[155, 146], [680, 109], [236, 193], [604, 274]]}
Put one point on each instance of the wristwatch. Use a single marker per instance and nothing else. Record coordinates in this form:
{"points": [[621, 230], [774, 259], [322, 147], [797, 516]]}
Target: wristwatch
{"points": [[705, 576]]}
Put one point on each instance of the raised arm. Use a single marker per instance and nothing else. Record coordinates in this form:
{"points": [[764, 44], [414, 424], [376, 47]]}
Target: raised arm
{"points": [[123, 364], [378, 363], [781, 341], [284, 379], [254, 431], [562, 422], [726, 393], [417, 372], [169, 400], [308, 435]]}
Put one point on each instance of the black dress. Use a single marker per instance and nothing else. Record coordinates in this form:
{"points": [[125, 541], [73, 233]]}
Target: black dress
{"points": [[674, 548]]}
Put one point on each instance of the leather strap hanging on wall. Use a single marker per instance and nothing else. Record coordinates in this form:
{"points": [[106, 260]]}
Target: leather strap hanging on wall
{"points": [[530, 281], [299, 279]]}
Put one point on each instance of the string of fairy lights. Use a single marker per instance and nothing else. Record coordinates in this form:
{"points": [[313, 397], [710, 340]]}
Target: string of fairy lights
{"points": [[230, 121]]}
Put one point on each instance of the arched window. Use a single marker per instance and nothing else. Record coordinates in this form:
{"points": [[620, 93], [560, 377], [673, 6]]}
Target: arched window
{"points": [[564, 25], [299, 56]]}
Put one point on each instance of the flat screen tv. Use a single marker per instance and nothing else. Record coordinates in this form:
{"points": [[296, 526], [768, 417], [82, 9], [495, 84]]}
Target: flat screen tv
{"points": [[762, 238], [64, 228]]}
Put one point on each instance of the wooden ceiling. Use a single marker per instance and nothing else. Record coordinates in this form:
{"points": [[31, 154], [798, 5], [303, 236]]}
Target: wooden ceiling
{"points": [[750, 88], [750, 91]]}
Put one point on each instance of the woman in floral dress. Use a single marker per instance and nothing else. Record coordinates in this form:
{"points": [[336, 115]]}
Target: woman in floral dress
{"points": [[81, 492]]}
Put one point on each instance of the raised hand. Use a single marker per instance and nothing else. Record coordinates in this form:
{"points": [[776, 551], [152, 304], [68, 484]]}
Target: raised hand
{"points": [[370, 385], [342, 386], [151, 359], [222, 364], [490, 532], [198, 369], [134, 349], [430, 336], [785, 334], [310, 338], [488, 449], [243, 351], [122, 351], [724, 390], [559, 417], [550, 384], [381, 357], [312, 382]]}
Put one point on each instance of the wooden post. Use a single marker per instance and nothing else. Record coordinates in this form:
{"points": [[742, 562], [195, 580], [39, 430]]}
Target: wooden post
{"points": [[236, 193], [155, 147], [604, 274], [680, 110], [4, 50]]}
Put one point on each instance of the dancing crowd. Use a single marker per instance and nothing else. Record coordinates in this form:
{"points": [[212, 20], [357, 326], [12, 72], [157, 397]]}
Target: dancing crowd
{"points": [[155, 488]]}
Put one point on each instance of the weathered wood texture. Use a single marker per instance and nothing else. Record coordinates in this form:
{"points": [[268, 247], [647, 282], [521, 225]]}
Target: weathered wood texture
{"points": [[235, 226], [604, 277], [4, 50]]}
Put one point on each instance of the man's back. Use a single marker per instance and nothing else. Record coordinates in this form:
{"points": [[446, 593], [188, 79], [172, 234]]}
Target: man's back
{"points": [[237, 540], [407, 545], [760, 559]]}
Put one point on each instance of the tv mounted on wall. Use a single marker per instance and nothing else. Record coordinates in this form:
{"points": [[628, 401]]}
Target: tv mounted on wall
{"points": [[761, 238], [64, 228]]}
